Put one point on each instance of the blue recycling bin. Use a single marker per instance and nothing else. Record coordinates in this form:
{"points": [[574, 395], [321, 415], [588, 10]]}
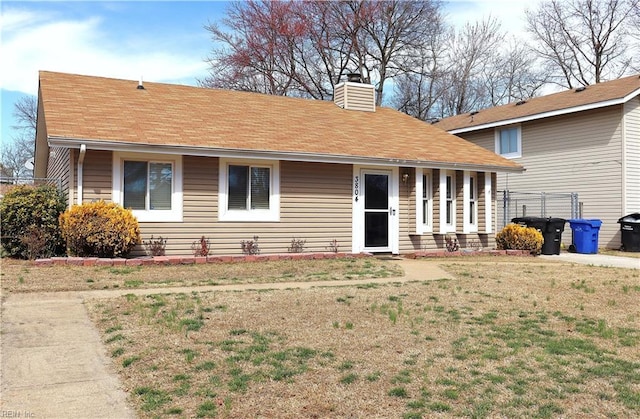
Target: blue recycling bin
{"points": [[585, 235]]}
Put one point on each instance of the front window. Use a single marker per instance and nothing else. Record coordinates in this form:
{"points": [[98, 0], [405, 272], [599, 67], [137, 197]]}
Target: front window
{"points": [[508, 142], [150, 185], [147, 185], [249, 190]]}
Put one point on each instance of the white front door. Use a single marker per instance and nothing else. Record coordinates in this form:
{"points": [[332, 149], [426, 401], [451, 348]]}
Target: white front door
{"points": [[376, 226]]}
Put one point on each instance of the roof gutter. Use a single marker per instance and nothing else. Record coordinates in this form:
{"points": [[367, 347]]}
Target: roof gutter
{"points": [[548, 114], [272, 155]]}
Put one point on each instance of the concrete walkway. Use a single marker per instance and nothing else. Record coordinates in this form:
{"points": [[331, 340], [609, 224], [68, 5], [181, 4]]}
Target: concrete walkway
{"points": [[55, 366]]}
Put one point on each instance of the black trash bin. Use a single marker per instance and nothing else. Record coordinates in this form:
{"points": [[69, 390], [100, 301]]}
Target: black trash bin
{"points": [[551, 229], [630, 230]]}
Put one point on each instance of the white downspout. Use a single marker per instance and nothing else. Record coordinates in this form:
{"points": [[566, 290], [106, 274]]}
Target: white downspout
{"points": [[83, 151]]}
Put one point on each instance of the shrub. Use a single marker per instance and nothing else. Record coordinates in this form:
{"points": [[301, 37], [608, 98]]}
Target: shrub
{"points": [[333, 246], [155, 247], [201, 247], [250, 247], [99, 229], [517, 237], [451, 243], [29, 218], [297, 245]]}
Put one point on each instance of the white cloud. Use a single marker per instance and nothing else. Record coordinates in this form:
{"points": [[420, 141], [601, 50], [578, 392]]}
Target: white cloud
{"points": [[34, 41]]}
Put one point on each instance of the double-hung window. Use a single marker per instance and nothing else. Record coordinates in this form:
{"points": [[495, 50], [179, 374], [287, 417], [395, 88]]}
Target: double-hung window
{"points": [[424, 201], [249, 191], [473, 204], [470, 202], [149, 185], [449, 210], [447, 201], [509, 142]]}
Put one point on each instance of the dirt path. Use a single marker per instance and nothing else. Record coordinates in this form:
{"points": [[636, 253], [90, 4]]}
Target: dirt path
{"points": [[54, 364]]}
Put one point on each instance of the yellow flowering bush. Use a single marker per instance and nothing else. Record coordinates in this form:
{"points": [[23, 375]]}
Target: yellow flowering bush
{"points": [[517, 237], [99, 229]]}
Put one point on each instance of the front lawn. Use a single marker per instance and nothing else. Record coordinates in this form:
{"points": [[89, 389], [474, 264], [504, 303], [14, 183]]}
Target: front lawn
{"points": [[523, 339]]}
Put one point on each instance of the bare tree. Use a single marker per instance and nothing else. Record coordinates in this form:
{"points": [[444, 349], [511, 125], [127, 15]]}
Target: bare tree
{"points": [[303, 48], [469, 53], [393, 32], [417, 90], [16, 153], [582, 41], [510, 75], [257, 52]]}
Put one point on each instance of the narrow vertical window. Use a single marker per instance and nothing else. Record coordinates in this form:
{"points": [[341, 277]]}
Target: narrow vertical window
{"points": [[473, 196], [449, 196], [426, 199]]}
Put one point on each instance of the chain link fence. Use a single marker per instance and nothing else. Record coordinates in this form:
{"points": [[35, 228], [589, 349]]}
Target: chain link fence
{"points": [[536, 204]]}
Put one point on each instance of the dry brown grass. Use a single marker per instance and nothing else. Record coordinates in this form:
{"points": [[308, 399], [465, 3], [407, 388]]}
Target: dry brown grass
{"points": [[612, 252], [521, 339], [23, 276]]}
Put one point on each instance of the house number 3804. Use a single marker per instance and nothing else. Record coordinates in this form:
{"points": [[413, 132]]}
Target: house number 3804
{"points": [[356, 187]]}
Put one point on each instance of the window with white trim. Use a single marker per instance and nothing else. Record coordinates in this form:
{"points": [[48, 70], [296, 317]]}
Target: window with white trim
{"points": [[509, 142], [147, 185], [249, 191], [150, 185], [473, 201], [450, 215], [426, 200], [447, 203], [470, 197]]}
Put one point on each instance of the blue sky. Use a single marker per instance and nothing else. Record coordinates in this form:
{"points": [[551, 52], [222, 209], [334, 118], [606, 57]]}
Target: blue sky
{"points": [[163, 41]]}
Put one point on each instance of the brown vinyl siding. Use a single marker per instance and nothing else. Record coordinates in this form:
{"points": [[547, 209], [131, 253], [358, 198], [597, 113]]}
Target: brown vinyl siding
{"points": [[407, 209], [480, 202], [315, 206], [459, 179], [58, 168], [97, 175], [580, 153], [631, 156]]}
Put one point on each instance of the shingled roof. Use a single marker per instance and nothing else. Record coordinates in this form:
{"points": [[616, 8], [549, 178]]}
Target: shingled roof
{"points": [[590, 97], [111, 114]]}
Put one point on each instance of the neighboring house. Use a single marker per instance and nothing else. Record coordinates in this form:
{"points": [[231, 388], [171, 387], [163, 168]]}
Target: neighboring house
{"points": [[585, 140], [229, 165]]}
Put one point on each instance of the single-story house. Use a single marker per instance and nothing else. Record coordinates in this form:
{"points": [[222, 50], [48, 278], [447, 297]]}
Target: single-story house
{"points": [[228, 165], [585, 140]]}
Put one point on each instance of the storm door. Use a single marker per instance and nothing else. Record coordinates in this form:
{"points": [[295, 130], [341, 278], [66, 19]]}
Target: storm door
{"points": [[377, 211]]}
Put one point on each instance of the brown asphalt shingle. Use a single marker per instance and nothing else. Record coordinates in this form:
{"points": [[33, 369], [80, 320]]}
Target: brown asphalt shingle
{"points": [[94, 108], [593, 94]]}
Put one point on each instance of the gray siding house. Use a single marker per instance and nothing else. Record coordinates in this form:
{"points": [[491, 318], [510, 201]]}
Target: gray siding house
{"points": [[585, 140]]}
